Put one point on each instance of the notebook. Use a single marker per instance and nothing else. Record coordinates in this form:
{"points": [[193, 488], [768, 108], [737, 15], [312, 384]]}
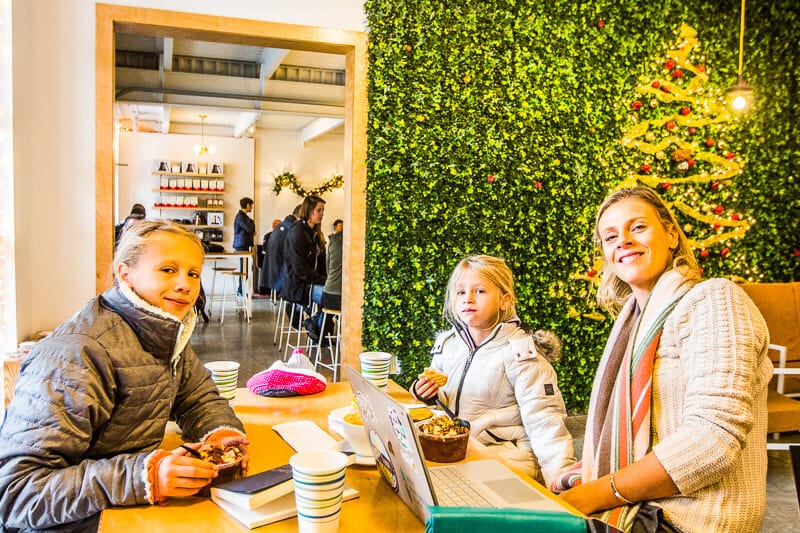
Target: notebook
{"points": [[399, 458]]}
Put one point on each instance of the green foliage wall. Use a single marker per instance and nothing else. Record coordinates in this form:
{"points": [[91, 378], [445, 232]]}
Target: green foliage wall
{"points": [[494, 127]]}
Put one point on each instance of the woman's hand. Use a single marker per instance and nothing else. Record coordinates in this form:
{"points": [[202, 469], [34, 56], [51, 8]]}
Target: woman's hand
{"points": [[591, 497], [426, 388]]}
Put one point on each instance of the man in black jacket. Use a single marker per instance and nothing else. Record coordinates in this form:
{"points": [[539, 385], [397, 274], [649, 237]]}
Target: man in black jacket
{"points": [[275, 250]]}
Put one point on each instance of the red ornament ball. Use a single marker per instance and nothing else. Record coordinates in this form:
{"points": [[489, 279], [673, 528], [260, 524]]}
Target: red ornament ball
{"points": [[591, 272], [710, 142], [601, 23], [637, 105], [701, 68], [670, 125], [719, 209], [703, 253], [796, 252], [715, 185], [664, 89], [538, 184], [677, 74], [669, 64], [692, 130], [490, 178], [725, 251], [690, 162], [729, 156], [716, 225], [735, 216], [665, 185], [656, 84], [685, 111], [645, 168], [408, 48]]}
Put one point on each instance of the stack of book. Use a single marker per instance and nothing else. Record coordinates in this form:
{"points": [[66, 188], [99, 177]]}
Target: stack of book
{"points": [[263, 498]]}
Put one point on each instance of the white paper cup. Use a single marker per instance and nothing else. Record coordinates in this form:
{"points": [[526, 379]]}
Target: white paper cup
{"points": [[225, 375], [318, 486], [375, 367]]}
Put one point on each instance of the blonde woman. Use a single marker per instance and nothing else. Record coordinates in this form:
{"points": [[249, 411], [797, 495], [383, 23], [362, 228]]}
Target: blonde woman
{"points": [[677, 418], [499, 374]]}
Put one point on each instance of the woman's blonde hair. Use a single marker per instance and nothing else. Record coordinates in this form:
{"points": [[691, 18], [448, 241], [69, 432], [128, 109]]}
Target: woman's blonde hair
{"points": [[495, 270], [133, 241], [612, 292]]}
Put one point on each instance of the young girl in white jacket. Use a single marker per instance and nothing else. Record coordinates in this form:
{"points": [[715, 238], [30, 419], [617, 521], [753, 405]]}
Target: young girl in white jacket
{"points": [[499, 375]]}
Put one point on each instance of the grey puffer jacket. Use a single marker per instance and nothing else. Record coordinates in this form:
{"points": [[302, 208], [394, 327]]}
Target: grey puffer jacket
{"points": [[92, 401]]}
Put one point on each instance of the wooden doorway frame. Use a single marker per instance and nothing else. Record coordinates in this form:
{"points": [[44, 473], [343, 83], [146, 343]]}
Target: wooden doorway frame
{"points": [[351, 44]]}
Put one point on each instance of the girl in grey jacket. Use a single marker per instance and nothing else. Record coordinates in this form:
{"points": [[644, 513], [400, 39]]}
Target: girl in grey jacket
{"points": [[499, 375], [93, 398]]}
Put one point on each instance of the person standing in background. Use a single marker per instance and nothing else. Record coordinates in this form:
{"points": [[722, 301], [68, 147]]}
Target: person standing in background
{"points": [[263, 275], [338, 225], [137, 213], [244, 230], [332, 291], [275, 268]]}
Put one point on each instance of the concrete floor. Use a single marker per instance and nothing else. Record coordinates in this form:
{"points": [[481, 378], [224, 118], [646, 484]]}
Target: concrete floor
{"points": [[251, 345]]}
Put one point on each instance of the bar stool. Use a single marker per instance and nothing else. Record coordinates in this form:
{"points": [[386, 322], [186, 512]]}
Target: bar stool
{"points": [[327, 316], [213, 296], [233, 285], [297, 331], [280, 323]]}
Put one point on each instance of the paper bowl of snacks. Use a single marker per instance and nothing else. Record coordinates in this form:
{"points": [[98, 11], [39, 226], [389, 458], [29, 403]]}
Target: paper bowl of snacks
{"points": [[227, 459], [443, 440], [356, 435]]}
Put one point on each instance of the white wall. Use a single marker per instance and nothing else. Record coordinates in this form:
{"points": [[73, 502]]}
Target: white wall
{"points": [[136, 181], [278, 152], [54, 153]]}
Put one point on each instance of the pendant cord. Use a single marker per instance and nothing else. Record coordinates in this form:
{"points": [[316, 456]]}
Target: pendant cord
{"points": [[741, 42]]}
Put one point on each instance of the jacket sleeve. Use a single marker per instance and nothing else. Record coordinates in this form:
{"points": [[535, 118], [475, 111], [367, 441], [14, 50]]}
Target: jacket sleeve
{"points": [[198, 407], [295, 250], [65, 391], [542, 410], [721, 342]]}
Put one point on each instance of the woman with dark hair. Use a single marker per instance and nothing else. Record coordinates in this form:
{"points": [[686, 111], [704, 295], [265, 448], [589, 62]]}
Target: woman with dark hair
{"points": [[304, 255], [678, 413]]}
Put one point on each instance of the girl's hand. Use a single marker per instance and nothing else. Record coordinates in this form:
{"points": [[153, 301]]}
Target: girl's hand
{"points": [[426, 388], [180, 474]]}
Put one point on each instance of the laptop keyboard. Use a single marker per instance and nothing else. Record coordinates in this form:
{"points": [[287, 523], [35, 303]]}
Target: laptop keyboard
{"points": [[453, 489]]}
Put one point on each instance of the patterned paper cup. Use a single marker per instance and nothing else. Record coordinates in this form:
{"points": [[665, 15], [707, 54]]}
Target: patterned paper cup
{"points": [[225, 375], [375, 367], [318, 486]]}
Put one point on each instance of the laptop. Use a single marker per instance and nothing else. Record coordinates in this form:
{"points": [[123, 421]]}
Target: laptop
{"points": [[397, 452]]}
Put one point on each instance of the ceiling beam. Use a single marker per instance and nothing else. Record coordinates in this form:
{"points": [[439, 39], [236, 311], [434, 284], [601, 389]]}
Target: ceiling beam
{"points": [[316, 128], [244, 121]]}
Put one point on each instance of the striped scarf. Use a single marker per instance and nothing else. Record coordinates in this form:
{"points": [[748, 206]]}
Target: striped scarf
{"points": [[618, 421]]}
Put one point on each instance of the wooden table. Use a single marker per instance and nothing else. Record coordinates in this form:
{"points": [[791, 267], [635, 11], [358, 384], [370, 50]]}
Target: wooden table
{"points": [[377, 508]]}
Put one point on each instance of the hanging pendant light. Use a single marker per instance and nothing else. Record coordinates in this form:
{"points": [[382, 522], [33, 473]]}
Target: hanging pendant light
{"points": [[203, 149], [740, 96]]}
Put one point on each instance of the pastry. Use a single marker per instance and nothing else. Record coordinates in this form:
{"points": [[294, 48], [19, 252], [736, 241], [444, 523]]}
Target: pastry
{"points": [[434, 375]]}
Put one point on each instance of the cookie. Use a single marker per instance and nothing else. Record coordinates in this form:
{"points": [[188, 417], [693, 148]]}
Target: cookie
{"points": [[420, 413], [435, 376]]}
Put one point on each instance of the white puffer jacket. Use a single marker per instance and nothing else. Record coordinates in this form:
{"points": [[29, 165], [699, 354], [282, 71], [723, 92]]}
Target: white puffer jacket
{"points": [[510, 396]]}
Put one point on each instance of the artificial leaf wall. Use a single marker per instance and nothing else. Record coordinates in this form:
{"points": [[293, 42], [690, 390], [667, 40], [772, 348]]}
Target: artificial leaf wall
{"points": [[498, 126]]}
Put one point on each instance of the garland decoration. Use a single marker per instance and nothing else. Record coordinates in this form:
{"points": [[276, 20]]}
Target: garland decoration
{"points": [[288, 179]]}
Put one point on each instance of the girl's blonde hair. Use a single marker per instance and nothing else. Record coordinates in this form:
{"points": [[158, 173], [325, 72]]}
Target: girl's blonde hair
{"points": [[495, 270], [133, 241], [612, 292]]}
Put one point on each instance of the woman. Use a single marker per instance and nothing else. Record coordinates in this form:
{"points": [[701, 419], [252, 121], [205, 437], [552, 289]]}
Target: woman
{"points": [[304, 255], [95, 395], [677, 418]]}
